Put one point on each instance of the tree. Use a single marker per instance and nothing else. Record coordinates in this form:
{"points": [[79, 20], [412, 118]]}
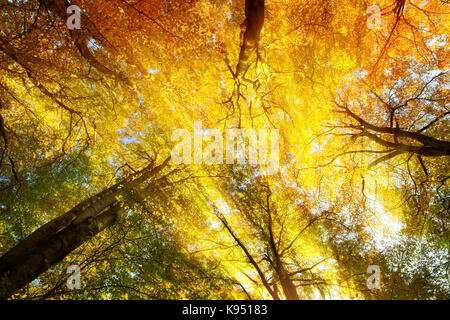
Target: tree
{"points": [[54, 240], [363, 136]]}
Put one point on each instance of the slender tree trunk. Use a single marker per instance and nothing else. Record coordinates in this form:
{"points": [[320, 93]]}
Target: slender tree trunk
{"points": [[49, 244], [289, 289], [250, 258]]}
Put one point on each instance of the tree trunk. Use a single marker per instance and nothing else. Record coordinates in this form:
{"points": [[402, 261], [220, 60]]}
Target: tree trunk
{"points": [[49, 244], [250, 34], [289, 289], [15, 274]]}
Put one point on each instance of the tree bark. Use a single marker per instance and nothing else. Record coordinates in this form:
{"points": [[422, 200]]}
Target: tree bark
{"points": [[250, 34], [49, 244], [17, 273]]}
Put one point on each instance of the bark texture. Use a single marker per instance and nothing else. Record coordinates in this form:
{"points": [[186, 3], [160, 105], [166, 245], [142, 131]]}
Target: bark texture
{"points": [[49, 244]]}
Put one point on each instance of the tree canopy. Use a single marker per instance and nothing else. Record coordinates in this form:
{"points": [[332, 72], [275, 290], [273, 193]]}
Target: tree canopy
{"points": [[87, 175]]}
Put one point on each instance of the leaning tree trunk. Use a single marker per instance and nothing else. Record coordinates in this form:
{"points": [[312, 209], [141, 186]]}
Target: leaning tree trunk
{"points": [[49, 244]]}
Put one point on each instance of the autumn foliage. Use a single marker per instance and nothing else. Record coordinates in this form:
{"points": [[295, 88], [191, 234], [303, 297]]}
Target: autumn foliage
{"points": [[86, 123]]}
